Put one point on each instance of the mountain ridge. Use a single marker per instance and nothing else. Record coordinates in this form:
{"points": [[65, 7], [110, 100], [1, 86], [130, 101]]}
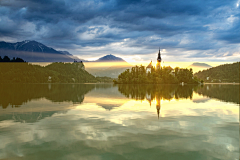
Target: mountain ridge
{"points": [[33, 51], [198, 64], [110, 58]]}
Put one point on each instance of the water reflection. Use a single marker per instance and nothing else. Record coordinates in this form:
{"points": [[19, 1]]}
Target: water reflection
{"points": [[157, 93], [88, 121], [226, 93], [17, 94]]}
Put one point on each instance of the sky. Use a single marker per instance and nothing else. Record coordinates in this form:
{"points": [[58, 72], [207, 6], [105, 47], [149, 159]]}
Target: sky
{"points": [[186, 31]]}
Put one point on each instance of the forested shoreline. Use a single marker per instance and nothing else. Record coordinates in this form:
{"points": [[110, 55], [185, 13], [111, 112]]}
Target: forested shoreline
{"points": [[57, 72], [227, 73]]}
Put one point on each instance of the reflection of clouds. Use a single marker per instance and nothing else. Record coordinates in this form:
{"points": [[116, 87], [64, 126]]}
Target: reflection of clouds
{"points": [[40, 105], [109, 98], [130, 131]]}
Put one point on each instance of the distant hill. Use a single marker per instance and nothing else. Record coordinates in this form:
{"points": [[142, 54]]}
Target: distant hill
{"points": [[110, 58], [196, 66], [57, 72], [113, 69], [222, 73], [203, 65], [33, 51]]}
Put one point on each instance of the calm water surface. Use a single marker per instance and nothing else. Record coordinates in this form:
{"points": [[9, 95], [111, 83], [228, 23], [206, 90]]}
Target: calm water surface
{"points": [[106, 122]]}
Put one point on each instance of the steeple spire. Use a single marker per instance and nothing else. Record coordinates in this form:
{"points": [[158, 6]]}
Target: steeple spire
{"points": [[159, 59]]}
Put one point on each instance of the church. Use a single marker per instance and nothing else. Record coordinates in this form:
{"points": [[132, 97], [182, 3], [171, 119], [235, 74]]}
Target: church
{"points": [[158, 66]]}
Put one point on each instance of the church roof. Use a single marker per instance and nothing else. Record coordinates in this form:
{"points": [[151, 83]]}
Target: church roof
{"points": [[150, 65], [170, 68]]}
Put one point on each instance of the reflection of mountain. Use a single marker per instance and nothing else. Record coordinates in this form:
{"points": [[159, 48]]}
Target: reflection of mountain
{"points": [[108, 106], [17, 94], [227, 93], [105, 96]]}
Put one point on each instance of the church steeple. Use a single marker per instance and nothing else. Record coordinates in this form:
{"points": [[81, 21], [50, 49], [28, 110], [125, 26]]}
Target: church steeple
{"points": [[159, 60]]}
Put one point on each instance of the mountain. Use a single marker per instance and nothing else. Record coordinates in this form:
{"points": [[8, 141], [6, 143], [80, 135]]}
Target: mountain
{"points": [[203, 65], [33, 51], [111, 66], [72, 56], [199, 66], [110, 58], [65, 52], [29, 46], [112, 71], [222, 73]]}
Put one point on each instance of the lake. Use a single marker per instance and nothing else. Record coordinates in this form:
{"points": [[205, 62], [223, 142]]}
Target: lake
{"points": [[125, 122]]}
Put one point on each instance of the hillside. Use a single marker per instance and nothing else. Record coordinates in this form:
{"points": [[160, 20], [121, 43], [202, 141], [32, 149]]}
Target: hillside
{"points": [[222, 73], [54, 73]]}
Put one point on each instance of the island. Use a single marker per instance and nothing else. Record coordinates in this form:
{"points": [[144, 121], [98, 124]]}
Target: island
{"points": [[157, 75]]}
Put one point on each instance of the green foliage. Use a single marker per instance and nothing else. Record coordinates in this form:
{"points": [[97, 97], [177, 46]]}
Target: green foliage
{"points": [[53, 73], [165, 75], [104, 79], [222, 73]]}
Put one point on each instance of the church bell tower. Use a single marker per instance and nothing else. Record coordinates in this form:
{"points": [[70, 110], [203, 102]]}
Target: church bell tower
{"points": [[159, 60]]}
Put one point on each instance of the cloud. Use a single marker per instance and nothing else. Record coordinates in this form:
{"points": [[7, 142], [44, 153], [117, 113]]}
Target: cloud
{"points": [[202, 26]]}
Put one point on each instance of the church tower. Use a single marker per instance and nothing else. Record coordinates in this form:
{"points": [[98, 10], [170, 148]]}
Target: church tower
{"points": [[158, 105], [159, 59]]}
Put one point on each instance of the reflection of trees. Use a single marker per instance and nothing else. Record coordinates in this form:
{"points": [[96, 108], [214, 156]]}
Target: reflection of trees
{"points": [[158, 92], [141, 92], [227, 93], [17, 94]]}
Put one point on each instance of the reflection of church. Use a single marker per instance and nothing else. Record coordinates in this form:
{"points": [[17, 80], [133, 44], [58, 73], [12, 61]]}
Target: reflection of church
{"points": [[158, 104], [158, 66]]}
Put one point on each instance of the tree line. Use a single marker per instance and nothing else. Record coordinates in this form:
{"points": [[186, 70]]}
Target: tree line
{"points": [[165, 75], [222, 73], [7, 59], [57, 72]]}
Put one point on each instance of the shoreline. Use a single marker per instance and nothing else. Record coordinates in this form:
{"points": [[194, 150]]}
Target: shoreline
{"points": [[222, 83]]}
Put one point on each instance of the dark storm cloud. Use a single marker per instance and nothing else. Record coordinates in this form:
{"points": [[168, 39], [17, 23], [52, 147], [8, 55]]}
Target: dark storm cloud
{"points": [[189, 25]]}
